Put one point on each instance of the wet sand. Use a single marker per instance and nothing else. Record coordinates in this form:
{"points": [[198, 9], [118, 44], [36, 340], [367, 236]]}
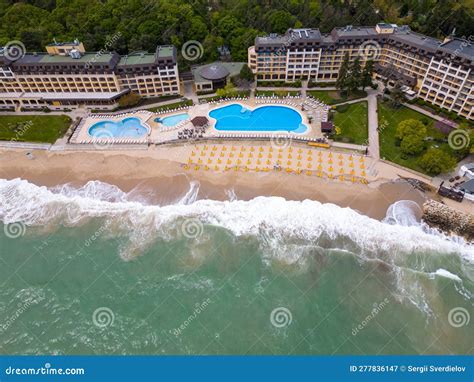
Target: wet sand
{"points": [[147, 176]]}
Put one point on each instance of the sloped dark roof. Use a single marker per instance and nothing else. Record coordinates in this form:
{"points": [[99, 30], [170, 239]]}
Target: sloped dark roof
{"points": [[327, 127], [199, 121], [215, 71]]}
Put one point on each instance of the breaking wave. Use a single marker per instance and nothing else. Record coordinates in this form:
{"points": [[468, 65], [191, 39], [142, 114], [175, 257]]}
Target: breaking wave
{"points": [[284, 228]]}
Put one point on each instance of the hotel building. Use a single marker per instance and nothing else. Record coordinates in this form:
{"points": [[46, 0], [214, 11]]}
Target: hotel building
{"points": [[440, 72], [67, 76]]}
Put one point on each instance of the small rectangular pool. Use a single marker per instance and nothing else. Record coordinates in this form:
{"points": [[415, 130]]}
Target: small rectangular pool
{"points": [[172, 120]]}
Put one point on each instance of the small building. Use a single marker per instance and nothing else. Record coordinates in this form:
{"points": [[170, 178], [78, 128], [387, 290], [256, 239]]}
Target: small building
{"points": [[467, 187], [327, 127], [209, 78], [467, 170]]}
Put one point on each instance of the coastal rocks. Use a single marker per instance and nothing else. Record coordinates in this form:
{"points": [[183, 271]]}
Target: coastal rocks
{"points": [[445, 218]]}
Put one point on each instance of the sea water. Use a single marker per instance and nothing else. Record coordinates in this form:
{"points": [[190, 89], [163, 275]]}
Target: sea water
{"points": [[90, 270]]}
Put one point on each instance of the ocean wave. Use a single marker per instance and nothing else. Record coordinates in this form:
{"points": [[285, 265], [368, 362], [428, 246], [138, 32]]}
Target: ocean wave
{"points": [[285, 227]]}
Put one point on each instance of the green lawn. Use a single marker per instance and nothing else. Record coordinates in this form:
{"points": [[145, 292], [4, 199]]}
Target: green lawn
{"points": [[171, 106], [389, 119], [331, 97], [33, 128], [351, 122]]}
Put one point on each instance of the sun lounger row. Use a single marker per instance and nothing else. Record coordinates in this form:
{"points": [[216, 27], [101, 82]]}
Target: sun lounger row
{"points": [[166, 111], [280, 101], [111, 141], [277, 96], [175, 127], [271, 136], [124, 115], [229, 99]]}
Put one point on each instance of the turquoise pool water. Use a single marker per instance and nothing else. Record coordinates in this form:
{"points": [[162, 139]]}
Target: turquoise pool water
{"points": [[172, 120], [235, 117], [126, 128]]}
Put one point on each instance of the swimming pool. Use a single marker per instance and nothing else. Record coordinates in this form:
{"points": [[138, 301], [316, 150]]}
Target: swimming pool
{"points": [[235, 117], [126, 128], [172, 120]]}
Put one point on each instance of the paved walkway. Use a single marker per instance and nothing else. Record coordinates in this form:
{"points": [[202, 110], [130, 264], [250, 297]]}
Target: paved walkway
{"points": [[374, 147], [189, 92], [425, 112]]}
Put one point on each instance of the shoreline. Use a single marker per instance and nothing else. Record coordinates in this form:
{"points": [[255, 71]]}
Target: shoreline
{"points": [[149, 174]]}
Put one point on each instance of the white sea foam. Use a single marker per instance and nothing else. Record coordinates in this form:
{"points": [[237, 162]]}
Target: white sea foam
{"points": [[277, 222], [444, 273]]}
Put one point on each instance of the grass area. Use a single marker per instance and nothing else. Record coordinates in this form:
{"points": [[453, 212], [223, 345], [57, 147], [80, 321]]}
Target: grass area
{"points": [[351, 122], [170, 106], [389, 118], [33, 128], [440, 111], [278, 93], [282, 84], [242, 93], [331, 97]]}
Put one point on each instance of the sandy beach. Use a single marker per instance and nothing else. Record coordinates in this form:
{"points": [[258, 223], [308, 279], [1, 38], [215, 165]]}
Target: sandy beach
{"points": [[161, 176]]}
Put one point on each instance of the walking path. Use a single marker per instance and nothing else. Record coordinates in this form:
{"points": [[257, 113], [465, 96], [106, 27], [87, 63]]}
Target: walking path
{"points": [[374, 146], [425, 112]]}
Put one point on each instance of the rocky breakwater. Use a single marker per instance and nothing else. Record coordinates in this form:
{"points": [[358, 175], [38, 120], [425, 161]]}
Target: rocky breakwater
{"points": [[446, 219]]}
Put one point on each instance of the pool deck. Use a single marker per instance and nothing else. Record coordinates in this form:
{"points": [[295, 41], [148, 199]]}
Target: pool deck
{"points": [[158, 134]]}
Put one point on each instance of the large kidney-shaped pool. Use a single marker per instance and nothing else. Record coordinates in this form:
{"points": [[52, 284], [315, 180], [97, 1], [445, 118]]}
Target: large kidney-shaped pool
{"points": [[126, 128], [235, 117]]}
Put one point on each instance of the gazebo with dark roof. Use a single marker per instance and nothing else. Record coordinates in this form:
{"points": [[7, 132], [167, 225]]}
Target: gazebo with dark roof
{"points": [[216, 73], [200, 121], [327, 127]]}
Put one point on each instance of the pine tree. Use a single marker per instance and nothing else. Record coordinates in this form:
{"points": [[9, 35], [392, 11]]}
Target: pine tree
{"points": [[355, 73], [343, 76], [397, 97], [366, 79]]}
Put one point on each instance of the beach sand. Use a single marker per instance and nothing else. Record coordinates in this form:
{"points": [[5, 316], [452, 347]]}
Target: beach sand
{"points": [[147, 174]]}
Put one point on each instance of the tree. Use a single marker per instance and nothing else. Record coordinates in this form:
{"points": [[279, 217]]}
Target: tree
{"points": [[246, 73], [342, 82], [366, 77], [397, 96], [436, 161], [129, 100], [412, 144], [410, 127], [411, 132], [228, 91], [354, 79], [280, 21]]}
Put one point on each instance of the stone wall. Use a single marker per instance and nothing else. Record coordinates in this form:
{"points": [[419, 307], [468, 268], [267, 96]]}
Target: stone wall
{"points": [[451, 221]]}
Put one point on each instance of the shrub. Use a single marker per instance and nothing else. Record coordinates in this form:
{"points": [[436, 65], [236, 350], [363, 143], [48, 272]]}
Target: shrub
{"points": [[129, 100], [436, 161]]}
